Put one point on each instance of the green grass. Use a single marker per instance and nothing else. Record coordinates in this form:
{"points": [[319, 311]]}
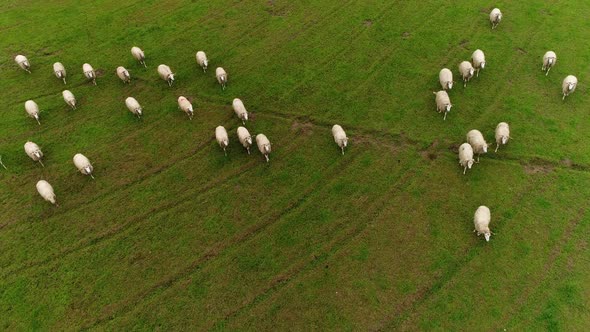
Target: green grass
{"points": [[172, 235]]}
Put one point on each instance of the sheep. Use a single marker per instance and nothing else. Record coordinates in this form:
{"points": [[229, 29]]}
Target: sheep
{"points": [[138, 55], [467, 71], [445, 78], [202, 60], [221, 137], [569, 85], [240, 110], [32, 110], [123, 74], [89, 72], [477, 142], [481, 220], [34, 152], [1, 163], [443, 102], [83, 164], [69, 98], [502, 134], [166, 74], [339, 137], [221, 77], [134, 106], [479, 60], [466, 156], [185, 106], [46, 191], [60, 71], [263, 145], [549, 60], [245, 138], [495, 17], [23, 62]]}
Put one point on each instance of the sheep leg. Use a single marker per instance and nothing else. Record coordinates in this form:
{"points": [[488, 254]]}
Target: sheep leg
{"points": [[224, 152], [497, 145], [91, 176], [445, 117], [1, 163], [64, 80], [248, 149], [548, 69], [563, 97], [342, 150], [41, 162], [464, 170], [266, 156]]}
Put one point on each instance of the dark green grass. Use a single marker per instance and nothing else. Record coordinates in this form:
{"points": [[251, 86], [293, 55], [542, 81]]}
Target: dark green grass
{"points": [[173, 235]]}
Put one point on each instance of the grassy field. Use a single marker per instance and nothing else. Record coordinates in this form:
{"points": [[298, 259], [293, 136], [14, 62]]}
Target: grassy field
{"points": [[172, 235]]}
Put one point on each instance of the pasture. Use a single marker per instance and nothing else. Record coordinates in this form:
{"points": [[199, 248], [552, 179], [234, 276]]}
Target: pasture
{"points": [[173, 235]]}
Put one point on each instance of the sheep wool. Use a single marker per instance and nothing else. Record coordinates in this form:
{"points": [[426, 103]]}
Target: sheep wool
{"points": [[60, 71], [339, 137], [69, 98], [34, 152], [138, 55], [222, 138], [185, 106], [481, 220], [221, 77], [89, 73], [263, 145], [477, 142], [83, 164], [445, 78], [32, 110], [466, 156], [46, 191], [245, 138], [443, 102], [502, 134], [23, 63], [569, 85], [549, 60], [495, 17], [240, 110], [166, 74], [202, 60], [467, 71], [133, 106], [123, 74], [479, 60]]}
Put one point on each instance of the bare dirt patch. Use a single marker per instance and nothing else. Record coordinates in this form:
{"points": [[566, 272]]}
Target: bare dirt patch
{"points": [[430, 153], [406, 35], [367, 22], [99, 72], [520, 50], [302, 128], [464, 44], [538, 169]]}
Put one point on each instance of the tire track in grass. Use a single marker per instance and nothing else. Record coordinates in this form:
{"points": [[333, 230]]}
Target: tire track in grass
{"points": [[218, 248]]}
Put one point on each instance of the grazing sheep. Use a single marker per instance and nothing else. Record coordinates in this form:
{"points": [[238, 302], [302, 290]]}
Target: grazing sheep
{"points": [[479, 60], [69, 98], [502, 134], [89, 73], [221, 77], [445, 78], [202, 60], [46, 191], [495, 17], [569, 85], [1, 163], [339, 137], [245, 138], [133, 106], [466, 156], [443, 102], [477, 142], [166, 74], [34, 152], [23, 62], [83, 164], [60, 71], [138, 55], [263, 145], [240, 110], [467, 71], [32, 110], [185, 106], [549, 60], [481, 219], [123, 74], [221, 137]]}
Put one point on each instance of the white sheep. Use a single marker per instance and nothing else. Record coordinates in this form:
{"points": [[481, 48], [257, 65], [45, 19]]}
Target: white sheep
{"points": [[479, 60], [69, 98], [549, 60], [221, 137], [138, 55], [477, 142], [34, 152], [245, 138], [166, 74], [445, 78], [202, 60], [185, 106], [263, 145], [133, 106], [240, 110], [443, 102], [60, 71], [46, 191], [569, 85], [481, 220], [467, 71], [83, 164], [89, 72], [339, 137], [23, 62], [32, 110], [502, 134], [123, 74], [466, 156], [495, 17], [221, 77]]}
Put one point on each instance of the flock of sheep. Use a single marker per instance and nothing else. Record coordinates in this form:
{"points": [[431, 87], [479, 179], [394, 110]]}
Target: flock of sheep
{"points": [[476, 144], [475, 139]]}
